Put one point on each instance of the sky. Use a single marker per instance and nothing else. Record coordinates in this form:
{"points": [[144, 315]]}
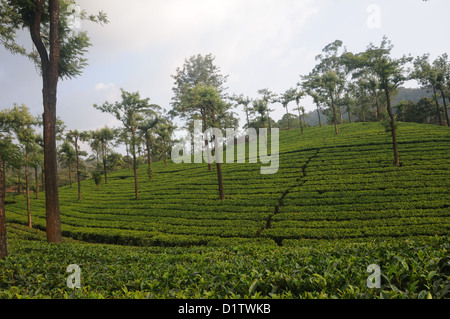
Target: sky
{"points": [[257, 43]]}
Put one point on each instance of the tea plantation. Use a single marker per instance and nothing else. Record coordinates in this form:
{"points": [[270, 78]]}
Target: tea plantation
{"points": [[336, 205]]}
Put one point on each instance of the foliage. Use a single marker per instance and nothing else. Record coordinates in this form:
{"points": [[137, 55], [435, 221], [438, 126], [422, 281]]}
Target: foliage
{"points": [[409, 269]]}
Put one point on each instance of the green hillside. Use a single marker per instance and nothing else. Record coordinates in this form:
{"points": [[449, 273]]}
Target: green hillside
{"points": [[336, 206], [327, 187]]}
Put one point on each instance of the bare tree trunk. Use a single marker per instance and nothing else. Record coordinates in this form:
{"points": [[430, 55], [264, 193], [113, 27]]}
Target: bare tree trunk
{"points": [[78, 168], [219, 166], [70, 174], [27, 183], [318, 114], [104, 162], [206, 142], [136, 185], [393, 130], [36, 177], [246, 114], [336, 130], [3, 239], [289, 118], [149, 158]]}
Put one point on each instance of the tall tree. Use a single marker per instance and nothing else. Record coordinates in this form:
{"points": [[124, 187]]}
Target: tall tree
{"points": [[390, 73], [164, 129], [146, 129], [59, 54], [103, 136], [441, 64], [427, 76], [197, 70], [67, 156], [74, 137], [210, 101], [285, 98], [129, 111], [267, 97], [21, 122], [245, 102], [328, 78]]}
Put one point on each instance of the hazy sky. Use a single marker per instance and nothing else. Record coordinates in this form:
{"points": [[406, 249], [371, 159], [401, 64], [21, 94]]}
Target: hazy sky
{"points": [[258, 43]]}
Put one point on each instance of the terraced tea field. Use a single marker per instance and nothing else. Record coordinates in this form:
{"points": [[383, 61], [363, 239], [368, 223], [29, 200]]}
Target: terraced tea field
{"points": [[327, 188]]}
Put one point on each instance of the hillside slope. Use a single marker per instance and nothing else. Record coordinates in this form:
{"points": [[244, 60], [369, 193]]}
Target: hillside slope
{"points": [[327, 187]]}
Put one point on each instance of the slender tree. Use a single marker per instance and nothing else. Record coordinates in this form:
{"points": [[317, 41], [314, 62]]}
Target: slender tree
{"points": [[245, 102], [146, 130], [390, 73], [74, 137], [67, 156], [165, 129], [267, 97], [21, 122], [103, 136], [209, 99], [129, 111], [285, 98]]}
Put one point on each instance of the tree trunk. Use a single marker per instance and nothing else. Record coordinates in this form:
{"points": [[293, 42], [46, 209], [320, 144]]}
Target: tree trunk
{"points": [[104, 162], [36, 177], [27, 183], [149, 158], [78, 168], [445, 107], [136, 186], [246, 114], [318, 114], [206, 141], [437, 105], [300, 118], [393, 130], [289, 118], [50, 76], [218, 165], [70, 174], [165, 152], [3, 239], [336, 130]]}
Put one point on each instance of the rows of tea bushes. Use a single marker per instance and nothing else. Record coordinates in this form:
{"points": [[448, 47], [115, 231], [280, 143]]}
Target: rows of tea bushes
{"points": [[408, 269], [354, 191], [327, 187]]}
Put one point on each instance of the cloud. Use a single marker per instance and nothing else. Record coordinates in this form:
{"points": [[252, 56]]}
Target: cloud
{"points": [[103, 86]]}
